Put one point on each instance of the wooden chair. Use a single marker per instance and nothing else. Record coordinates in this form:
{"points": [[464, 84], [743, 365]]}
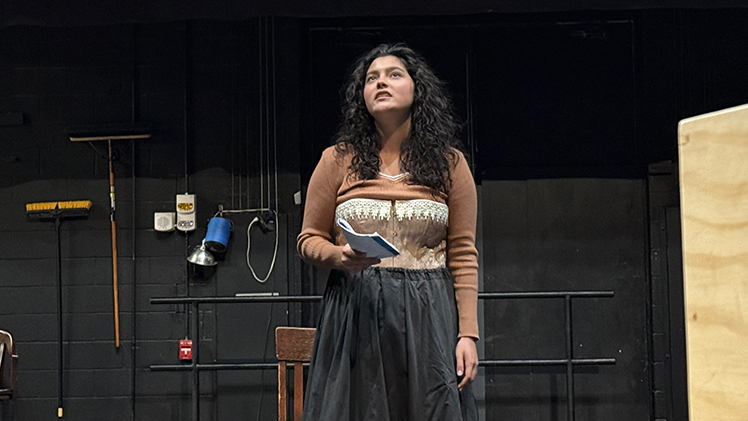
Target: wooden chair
{"points": [[8, 355], [293, 345]]}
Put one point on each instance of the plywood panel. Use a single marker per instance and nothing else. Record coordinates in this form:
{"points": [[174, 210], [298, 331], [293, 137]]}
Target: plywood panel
{"points": [[713, 152]]}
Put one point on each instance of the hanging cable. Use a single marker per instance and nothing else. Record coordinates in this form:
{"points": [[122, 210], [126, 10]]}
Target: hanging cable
{"points": [[249, 243], [275, 126], [263, 23], [268, 122], [262, 112]]}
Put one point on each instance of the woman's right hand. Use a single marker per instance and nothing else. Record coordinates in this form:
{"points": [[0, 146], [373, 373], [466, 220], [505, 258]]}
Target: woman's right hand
{"points": [[355, 261]]}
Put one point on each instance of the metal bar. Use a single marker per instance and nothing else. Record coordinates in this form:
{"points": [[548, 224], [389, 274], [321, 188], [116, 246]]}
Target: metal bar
{"points": [[282, 396], [544, 294], [253, 299], [60, 347], [569, 365], [108, 137], [482, 363], [312, 298], [215, 366], [195, 359], [549, 362]]}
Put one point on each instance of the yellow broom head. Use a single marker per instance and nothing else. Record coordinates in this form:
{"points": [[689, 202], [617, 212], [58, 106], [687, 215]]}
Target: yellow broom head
{"points": [[65, 209]]}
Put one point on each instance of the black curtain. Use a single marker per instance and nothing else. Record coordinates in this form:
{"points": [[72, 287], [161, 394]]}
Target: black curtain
{"points": [[87, 12]]}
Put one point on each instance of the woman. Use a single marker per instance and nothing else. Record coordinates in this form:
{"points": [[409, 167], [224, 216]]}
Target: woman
{"points": [[385, 347]]}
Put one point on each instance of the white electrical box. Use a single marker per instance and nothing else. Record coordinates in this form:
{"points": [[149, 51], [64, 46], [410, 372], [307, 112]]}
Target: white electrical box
{"points": [[164, 221], [186, 212]]}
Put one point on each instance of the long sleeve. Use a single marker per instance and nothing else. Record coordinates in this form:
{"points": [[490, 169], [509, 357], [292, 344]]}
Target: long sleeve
{"points": [[314, 243], [330, 186], [462, 256]]}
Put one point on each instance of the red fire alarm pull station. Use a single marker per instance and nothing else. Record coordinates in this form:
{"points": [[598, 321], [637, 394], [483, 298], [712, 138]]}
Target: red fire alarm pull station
{"points": [[185, 349]]}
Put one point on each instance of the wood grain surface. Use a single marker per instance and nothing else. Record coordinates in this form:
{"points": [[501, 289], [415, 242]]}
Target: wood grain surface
{"points": [[713, 150]]}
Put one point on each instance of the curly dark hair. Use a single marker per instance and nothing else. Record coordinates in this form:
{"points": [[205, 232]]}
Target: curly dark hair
{"points": [[433, 140]]}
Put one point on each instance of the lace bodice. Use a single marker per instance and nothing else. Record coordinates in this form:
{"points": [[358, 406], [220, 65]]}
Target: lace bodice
{"points": [[418, 228], [432, 230]]}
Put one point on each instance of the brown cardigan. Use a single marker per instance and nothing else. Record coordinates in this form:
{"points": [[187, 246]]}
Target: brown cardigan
{"points": [[332, 184]]}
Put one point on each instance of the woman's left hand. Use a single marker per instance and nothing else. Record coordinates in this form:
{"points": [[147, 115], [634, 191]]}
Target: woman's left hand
{"points": [[467, 360]]}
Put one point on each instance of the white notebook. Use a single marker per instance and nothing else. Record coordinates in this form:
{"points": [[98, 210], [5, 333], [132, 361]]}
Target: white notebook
{"points": [[374, 245]]}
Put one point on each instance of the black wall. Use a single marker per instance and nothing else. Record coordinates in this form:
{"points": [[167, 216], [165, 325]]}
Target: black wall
{"points": [[563, 168], [207, 88]]}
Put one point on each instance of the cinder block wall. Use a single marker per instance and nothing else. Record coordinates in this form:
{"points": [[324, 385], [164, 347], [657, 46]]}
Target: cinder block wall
{"points": [[200, 84]]}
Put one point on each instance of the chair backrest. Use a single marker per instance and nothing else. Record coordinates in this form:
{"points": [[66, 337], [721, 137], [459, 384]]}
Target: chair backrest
{"points": [[8, 358], [293, 345]]}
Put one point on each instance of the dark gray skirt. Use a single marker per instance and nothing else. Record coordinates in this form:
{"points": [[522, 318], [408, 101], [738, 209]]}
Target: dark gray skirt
{"points": [[385, 349]]}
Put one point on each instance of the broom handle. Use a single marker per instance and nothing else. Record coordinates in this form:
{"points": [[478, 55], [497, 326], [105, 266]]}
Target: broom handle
{"points": [[59, 321], [115, 286]]}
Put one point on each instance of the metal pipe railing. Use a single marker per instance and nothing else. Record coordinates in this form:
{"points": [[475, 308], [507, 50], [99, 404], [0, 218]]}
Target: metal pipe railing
{"points": [[569, 362]]}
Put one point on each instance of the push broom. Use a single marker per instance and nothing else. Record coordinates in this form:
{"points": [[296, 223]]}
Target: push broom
{"points": [[111, 132], [58, 211]]}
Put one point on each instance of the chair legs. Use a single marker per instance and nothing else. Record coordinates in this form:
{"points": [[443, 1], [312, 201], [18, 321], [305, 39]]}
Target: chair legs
{"points": [[298, 391]]}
